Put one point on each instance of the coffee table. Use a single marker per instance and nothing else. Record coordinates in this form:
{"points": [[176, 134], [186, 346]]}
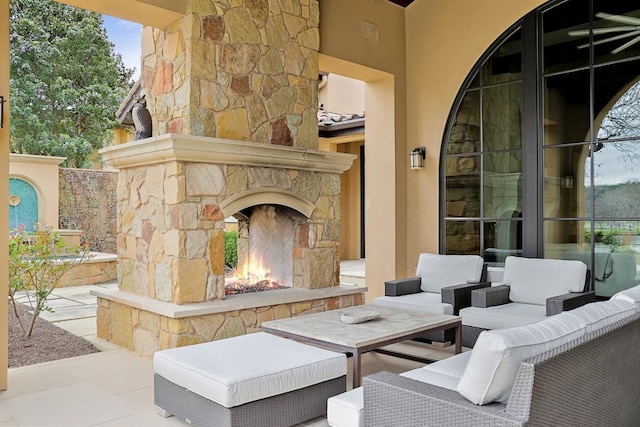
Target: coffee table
{"points": [[393, 325]]}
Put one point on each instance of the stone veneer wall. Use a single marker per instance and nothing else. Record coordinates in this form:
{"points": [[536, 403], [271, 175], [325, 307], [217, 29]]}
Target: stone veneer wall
{"points": [[241, 70], [90, 273], [88, 203], [171, 228], [145, 332]]}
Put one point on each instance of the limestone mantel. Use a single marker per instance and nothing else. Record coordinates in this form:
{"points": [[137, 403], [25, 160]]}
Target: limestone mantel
{"points": [[188, 148]]}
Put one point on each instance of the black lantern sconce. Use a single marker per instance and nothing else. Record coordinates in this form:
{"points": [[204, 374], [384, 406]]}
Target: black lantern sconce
{"points": [[417, 157]]}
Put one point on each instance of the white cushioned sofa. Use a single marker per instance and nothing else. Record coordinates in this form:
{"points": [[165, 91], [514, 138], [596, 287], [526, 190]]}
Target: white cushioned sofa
{"points": [[577, 367], [531, 289]]}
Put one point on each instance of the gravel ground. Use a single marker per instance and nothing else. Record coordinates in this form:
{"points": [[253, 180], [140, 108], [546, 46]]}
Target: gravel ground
{"points": [[48, 342]]}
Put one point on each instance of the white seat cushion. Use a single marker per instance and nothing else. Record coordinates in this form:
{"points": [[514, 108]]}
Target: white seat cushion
{"points": [[250, 367], [496, 356], [346, 409], [533, 280], [631, 295], [445, 373], [597, 315], [421, 301], [502, 316], [438, 271]]}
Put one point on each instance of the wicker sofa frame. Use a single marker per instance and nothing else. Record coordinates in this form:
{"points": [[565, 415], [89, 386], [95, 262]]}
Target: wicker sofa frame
{"points": [[592, 381], [282, 410]]}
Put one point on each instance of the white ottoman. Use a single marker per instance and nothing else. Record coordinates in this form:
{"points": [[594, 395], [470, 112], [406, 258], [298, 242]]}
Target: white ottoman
{"points": [[251, 380]]}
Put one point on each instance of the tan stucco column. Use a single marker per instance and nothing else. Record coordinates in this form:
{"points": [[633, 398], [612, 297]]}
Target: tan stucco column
{"points": [[4, 191]]}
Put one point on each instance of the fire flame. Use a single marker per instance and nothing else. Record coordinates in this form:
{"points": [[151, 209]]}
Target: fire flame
{"points": [[253, 271]]}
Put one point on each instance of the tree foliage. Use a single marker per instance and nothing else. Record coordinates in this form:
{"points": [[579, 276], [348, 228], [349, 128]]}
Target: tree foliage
{"points": [[66, 81]]}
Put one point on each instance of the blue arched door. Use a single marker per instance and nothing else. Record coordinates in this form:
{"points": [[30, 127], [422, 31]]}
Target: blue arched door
{"points": [[23, 204]]}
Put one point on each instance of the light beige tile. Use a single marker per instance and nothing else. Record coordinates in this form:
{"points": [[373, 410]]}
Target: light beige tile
{"points": [[119, 374], [316, 422], [146, 419], [76, 404], [79, 327], [69, 313], [32, 379], [141, 399]]}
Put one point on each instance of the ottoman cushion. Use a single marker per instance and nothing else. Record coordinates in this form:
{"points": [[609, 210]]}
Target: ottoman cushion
{"points": [[246, 368]]}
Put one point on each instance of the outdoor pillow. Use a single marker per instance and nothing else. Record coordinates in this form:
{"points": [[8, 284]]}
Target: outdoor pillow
{"points": [[439, 271], [533, 280], [496, 356]]}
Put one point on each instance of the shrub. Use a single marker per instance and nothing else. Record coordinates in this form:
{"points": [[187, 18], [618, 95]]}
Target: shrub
{"points": [[37, 261], [231, 249]]}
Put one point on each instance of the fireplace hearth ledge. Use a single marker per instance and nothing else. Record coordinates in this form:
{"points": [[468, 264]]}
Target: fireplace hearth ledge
{"points": [[230, 303]]}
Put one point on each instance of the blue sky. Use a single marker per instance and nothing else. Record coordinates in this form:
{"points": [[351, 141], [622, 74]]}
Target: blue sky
{"points": [[125, 35]]}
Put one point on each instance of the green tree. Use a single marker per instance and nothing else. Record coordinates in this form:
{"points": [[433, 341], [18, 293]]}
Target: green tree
{"points": [[66, 81]]}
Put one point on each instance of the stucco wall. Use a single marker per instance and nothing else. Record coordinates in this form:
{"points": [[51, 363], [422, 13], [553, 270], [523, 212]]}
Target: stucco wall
{"points": [[445, 38], [42, 173], [365, 40]]}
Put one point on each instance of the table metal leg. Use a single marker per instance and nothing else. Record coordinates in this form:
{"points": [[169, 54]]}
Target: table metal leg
{"points": [[357, 369], [458, 339]]}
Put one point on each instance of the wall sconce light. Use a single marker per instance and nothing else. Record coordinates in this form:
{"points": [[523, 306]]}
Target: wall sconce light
{"points": [[417, 157], [566, 182]]}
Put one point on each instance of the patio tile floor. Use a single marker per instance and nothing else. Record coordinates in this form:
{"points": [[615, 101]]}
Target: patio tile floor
{"points": [[115, 387]]}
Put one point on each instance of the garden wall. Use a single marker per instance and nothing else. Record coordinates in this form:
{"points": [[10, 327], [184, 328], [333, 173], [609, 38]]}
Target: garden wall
{"points": [[88, 203]]}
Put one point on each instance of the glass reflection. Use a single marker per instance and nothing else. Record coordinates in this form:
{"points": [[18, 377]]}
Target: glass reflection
{"points": [[502, 117], [564, 29], [617, 100], [464, 136], [463, 186], [616, 184], [463, 237], [505, 65], [566, 108], [616, 30], [561, 238], [502, 185], [616, 250], [567, 188], [502, 239]]}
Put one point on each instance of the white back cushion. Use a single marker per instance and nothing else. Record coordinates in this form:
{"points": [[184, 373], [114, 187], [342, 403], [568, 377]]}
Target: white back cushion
{"points": [[597, 315], [496, 357], [438, 271], [631, 295], [533, 280]]}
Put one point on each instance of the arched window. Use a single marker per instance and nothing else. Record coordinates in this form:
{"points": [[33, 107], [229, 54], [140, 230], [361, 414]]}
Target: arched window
{"points": [[541, 157]]}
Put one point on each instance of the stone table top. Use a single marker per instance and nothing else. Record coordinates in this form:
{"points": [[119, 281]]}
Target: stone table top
{"points": [[391, 323]]}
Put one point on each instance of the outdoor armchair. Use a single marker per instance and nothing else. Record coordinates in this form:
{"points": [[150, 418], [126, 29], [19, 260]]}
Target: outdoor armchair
{"points": [[532, 289], [442, 285]]}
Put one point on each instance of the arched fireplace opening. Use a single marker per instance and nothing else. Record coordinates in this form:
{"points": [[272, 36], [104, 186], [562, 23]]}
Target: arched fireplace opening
{"points": [[265, 249]]}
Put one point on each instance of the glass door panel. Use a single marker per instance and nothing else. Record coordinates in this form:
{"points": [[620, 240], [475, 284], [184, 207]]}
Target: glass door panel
{"points": [[502, 127], [565, 32], [567, 188], [566, 108], [463, 237]]}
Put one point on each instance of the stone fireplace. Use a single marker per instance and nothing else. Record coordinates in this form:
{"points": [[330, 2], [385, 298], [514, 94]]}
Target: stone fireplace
{"points": [[174, 193], [232, 88]]}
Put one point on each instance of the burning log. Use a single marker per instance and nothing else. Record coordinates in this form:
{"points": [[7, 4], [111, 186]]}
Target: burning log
{"points": [[240, 287]]}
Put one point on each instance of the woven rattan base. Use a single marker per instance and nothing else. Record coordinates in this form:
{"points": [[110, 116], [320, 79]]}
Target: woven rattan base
{"points": [[282, 410]]}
